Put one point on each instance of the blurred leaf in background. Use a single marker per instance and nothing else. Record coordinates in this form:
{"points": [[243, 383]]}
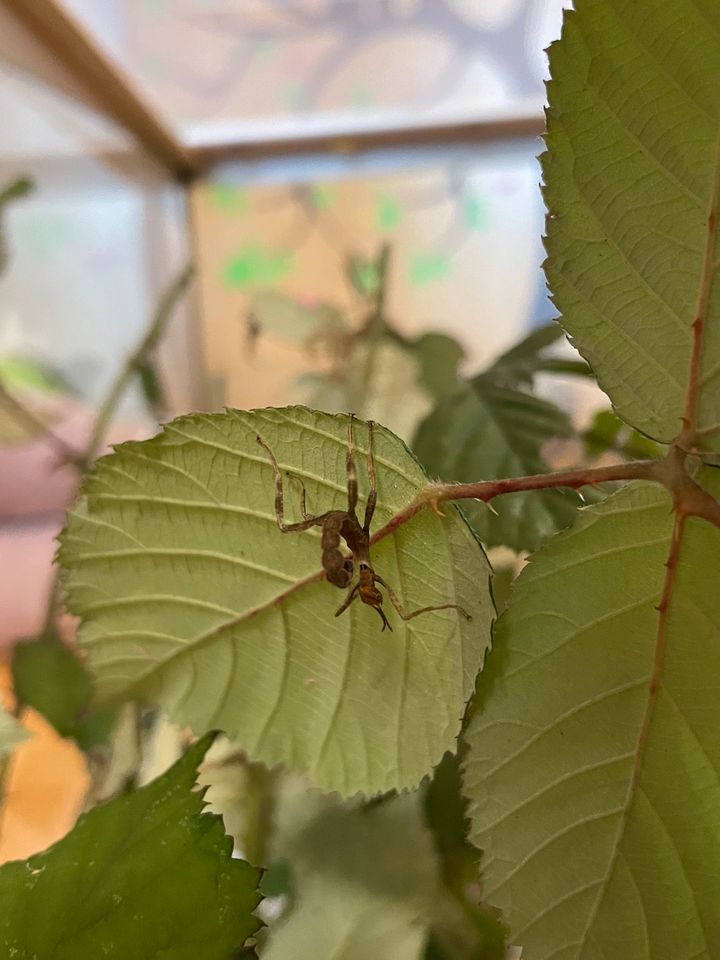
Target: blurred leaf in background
{"points": [[15, 190], [492, 427], [367, 882], [608, 433]]}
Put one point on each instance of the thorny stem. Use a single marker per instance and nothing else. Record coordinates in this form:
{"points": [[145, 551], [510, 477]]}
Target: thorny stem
{"points": [[130, 368], [106, 412], [486, 490], [688, 436]]}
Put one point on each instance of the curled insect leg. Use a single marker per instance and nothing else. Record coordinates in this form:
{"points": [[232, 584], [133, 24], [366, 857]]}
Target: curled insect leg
{"points": [[307, 521], [303, 511], [395, 600]]}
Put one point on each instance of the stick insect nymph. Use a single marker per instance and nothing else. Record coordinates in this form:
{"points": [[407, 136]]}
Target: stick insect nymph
{"points": [[344, 525]]}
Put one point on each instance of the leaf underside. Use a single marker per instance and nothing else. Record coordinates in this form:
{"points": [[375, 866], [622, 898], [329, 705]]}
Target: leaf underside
{"points": [[596, 799], [146, 876], [188, 595], [632, 172]]}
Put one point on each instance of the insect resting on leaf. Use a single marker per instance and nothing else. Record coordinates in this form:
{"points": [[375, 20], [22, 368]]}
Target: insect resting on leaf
{"points": [[344, 525]]}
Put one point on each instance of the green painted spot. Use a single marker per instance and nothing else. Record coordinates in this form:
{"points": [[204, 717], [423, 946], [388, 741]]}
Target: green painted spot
{"points": [[475, 213], [225, 197], [291, 95], [361, 96], [155, 7], [253, 265], [388, 212], [323, 198], [428, 267], [266, 50]]}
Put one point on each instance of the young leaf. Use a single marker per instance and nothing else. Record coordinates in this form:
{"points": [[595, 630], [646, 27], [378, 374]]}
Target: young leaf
{"points": [[489, 431], [11, 734], [148, 875], [632, 176], [191, 596], [593, 768]]}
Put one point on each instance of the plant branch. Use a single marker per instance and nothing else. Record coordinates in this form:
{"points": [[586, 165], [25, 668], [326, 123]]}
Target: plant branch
{"points": [[688, 435], [134, 362], [27, 418], [106, 412], [486, 490]]}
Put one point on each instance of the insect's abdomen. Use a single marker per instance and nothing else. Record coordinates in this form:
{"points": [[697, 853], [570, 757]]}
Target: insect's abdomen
{"points": [[336, 570]]}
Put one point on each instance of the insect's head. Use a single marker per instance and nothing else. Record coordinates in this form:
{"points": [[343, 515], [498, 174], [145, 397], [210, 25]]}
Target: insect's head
{"points": [[369, 593]]}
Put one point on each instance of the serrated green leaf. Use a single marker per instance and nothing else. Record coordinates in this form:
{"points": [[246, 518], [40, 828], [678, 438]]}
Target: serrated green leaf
{"points": [[190, 596], [146, 876], [12, 734], [593, 768], [48, 677], [366, 884], [487, 431], [632, 174]]}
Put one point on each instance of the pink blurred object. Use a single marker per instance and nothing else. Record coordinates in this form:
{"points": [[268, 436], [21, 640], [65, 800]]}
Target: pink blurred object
{"points": [[34, 494]]}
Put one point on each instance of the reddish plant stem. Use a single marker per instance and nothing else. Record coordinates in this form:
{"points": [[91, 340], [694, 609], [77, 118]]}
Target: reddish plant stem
{"points": [[486, 490], [688, 435]]}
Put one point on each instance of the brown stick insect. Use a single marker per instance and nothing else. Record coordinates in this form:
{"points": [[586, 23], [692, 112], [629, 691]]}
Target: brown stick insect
{"points": [[344, 525]]}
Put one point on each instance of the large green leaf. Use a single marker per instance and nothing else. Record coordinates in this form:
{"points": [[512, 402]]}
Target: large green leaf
{"points": [[486, 431], [632, 173], [146, 876], [12, 734], [192, 597], [594, 753], [366, 884]]}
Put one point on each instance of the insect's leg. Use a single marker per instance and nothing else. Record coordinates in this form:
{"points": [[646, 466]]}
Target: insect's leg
{"points": [[303, 510], [351, 471], [395, 600], [303, 524], [372, 482], [352, 593]]}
